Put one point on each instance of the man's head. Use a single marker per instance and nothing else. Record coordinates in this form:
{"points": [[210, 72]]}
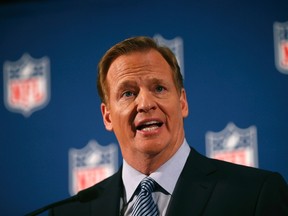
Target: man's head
{"points": [[143, 101], [130, 45]]}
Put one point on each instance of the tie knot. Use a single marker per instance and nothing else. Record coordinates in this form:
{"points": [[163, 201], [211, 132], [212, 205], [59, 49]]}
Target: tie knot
{"points": [[148, 184], [144, 204]]}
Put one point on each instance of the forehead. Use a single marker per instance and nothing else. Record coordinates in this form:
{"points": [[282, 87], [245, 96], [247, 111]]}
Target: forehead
{"points": [[139, 64]]}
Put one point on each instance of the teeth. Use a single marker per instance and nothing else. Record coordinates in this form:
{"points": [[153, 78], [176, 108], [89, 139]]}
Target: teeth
{"points": [[150, 128], [151, 122]]}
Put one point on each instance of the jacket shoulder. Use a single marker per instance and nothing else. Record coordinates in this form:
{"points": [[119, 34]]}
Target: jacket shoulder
{"points": [[91, 199], [226, 169]]}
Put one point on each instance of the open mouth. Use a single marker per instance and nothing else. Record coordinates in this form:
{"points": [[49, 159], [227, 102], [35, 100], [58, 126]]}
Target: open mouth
{"points": [[149, 126]]}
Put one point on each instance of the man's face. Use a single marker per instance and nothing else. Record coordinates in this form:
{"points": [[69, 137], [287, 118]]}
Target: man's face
{"points": [[144, 108]]}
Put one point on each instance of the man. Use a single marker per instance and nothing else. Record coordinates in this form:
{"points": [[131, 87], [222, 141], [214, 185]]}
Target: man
{"points": [[144, 103]]}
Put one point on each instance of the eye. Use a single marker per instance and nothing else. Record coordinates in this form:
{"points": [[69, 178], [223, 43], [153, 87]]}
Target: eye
{"points": [[127, 94], [160, 89]]}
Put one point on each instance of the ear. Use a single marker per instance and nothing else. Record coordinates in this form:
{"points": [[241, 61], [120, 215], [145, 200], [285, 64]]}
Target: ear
{"points": [[106, 117], [184, 103]]}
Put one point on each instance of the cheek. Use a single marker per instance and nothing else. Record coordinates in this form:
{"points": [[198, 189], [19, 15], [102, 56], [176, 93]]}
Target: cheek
{"points": [[174, 114], [121, 117]]}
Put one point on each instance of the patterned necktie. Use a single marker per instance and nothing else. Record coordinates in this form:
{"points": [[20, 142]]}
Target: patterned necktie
{"points": [[144, 204]]}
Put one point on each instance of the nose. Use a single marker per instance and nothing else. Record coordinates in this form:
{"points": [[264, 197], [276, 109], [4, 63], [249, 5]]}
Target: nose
{"points": [[145, 102]]}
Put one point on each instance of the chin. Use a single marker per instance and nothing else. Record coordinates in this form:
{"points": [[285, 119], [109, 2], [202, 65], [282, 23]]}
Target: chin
{"points": [[151, 147]]}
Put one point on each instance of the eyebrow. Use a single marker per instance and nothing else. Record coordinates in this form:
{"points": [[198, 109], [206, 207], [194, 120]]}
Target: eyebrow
{"points": [[159, 81], [132, 83], [125, 84]]}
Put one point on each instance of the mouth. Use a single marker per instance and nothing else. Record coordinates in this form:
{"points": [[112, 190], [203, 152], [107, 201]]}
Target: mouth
{"points": [[149, 125]]}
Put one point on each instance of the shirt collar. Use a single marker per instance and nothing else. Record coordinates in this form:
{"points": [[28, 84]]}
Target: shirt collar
{"points": [[166, 175]]}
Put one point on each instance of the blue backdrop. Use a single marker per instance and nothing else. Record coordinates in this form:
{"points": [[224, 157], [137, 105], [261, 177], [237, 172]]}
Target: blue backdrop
{"points": [[230, 76]]}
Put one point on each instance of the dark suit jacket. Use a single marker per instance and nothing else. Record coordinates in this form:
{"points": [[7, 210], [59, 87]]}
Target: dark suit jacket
{"points": [[205, 187]]}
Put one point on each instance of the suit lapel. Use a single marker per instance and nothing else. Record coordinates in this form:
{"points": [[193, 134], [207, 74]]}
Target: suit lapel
{"points": [[108, 202], [194, 187]]}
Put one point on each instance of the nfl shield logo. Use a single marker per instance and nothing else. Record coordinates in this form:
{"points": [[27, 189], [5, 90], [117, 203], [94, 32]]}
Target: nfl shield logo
{"points": [[233, 145], [91, 165], [281, 46], [176, 45], [26, 84]]}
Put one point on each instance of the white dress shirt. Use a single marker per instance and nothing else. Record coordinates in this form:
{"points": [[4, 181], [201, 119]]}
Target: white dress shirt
{"points": [[166, 176]]}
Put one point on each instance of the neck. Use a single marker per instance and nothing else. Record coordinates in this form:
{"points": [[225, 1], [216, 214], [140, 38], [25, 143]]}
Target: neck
{"points": [[149, 163], [146, 164]]}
